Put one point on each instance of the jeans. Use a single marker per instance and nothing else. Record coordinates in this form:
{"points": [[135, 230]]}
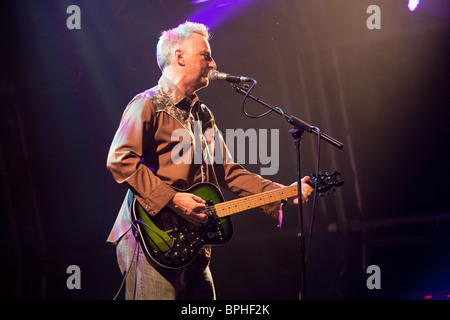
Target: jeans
{"points": [[145, 282]]}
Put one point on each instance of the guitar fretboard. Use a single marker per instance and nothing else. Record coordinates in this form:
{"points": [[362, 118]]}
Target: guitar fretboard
{"points": [[227, 208]]}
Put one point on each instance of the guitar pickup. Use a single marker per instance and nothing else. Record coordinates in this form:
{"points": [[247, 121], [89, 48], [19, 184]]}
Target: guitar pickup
{"points": [[212, 211]]}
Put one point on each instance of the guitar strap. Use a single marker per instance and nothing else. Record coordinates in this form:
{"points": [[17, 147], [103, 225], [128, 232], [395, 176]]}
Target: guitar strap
{"points": [[207, 157], [211, 161]]}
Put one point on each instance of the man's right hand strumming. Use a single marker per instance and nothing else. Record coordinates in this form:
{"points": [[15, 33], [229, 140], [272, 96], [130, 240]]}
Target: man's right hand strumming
{"points": [[190, 207]]}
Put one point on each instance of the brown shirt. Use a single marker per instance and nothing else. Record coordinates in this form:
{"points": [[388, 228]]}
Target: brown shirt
{"points": [[141, 157]]}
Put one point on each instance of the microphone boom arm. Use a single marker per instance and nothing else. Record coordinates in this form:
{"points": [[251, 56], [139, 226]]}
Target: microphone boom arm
{"points": [[296, 122]]}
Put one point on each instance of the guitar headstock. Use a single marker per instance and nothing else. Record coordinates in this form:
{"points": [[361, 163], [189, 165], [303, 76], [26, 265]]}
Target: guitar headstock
{"points": [[325, 182]]}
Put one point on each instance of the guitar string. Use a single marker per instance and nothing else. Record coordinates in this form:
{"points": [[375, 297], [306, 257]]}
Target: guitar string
{"points": [[241, 204], [261, 199]]}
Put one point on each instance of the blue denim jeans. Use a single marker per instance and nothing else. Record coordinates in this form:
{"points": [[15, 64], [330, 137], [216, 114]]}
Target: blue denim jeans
{"points": [[145, 282]]}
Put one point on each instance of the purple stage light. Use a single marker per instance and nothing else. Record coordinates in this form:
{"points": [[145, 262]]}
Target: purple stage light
{"points": [[213, 13], [412, 4]]}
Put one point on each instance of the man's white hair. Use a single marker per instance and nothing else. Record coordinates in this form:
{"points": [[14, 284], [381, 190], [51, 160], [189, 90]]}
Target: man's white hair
{"points": [[173, 39]]}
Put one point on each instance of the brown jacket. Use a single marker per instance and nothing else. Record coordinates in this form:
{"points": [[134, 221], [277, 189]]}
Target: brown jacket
{"points": [[141, 156]]}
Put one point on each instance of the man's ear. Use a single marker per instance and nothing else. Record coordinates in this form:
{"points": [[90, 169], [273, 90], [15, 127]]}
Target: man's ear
{"points": [[179, 57]]}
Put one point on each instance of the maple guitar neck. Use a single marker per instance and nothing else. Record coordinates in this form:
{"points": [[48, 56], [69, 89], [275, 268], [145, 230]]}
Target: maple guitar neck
{"points": [[228, 208], [172, 243]]}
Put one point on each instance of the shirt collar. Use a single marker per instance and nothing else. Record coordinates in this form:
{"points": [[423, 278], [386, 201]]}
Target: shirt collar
{"points": [[175, 95]]}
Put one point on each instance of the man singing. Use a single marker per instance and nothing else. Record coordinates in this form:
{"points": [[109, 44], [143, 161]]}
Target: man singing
{"points": [[141, 158]]}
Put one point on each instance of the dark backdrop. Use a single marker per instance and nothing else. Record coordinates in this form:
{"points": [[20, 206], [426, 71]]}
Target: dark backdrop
{"points": [[383, 93]]}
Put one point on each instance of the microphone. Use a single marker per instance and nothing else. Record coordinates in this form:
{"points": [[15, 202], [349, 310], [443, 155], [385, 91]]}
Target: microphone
{"points": [[216, 75]]}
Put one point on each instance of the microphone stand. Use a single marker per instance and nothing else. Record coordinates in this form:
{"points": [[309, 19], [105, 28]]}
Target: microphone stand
{"points": [[300, 126]]}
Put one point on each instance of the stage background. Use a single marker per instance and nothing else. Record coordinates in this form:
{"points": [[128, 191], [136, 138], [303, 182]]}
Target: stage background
{"points": [[383, 93]]}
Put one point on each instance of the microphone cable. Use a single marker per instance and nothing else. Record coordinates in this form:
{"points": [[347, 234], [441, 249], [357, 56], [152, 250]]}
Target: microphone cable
{"points": [[248, 89]]}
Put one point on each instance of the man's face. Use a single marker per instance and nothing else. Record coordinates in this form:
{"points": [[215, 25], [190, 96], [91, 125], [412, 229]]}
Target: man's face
{"points": [[198, 62]]}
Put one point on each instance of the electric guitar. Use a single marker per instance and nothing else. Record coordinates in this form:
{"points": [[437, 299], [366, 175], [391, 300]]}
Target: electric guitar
{"points": [[172, 243]]}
